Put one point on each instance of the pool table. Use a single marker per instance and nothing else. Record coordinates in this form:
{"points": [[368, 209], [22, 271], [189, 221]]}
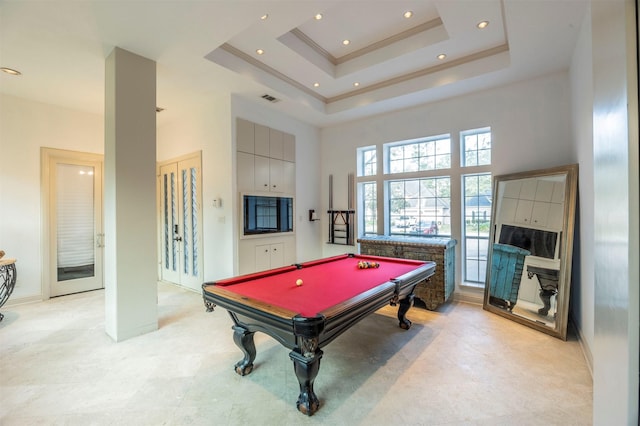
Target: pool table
{"points": [[308, 305]]}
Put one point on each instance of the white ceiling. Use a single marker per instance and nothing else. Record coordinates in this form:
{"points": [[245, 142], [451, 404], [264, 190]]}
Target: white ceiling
{"points": [[204, 48]]}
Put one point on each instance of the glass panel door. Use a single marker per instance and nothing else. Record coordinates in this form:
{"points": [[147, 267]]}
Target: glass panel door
{"points": [[74, 221], [181, 221]]}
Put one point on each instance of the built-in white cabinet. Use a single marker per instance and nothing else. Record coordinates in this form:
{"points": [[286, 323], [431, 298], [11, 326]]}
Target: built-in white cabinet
{"points": [[289, 148], [276, 144], [265, 163], [265, 159], [288, 183], [269, 174], [245, 135], [269, 256], [261, 140], [246, 171], [261, 254], [262, 174], [533, 203]]}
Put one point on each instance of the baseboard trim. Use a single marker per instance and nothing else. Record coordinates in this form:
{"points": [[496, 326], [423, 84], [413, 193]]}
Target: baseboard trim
{"points": [[22, 300], [586, 351], [473, 298]]}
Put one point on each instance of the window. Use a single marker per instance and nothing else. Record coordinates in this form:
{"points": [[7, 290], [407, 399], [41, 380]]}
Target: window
{"points": [[369, 216], [420, 207], [426, 154], [367, 162], [476, 146], [477, 220], [418, 181]]}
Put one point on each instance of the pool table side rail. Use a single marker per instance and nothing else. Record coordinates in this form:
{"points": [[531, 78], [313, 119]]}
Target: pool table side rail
{"points": [[253, 276], [254, 314], [345, 314], [402, 286], [221, 296], [406, 283]]}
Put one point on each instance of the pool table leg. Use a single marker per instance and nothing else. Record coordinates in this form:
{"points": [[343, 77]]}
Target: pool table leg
{"points": [[405, 305], [306, 369], [243, 338]]}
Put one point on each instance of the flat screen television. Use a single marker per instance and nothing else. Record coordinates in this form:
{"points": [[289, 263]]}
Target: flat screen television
{"points": [[540, 243], [267, 214]]}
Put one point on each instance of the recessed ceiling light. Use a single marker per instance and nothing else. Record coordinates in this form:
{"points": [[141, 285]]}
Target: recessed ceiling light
{"points": [[318, 16], [408, 14], [316, 84], [356, 84], [442, 56], [265, 16], [346, 42], [10, 71], [483, 24], [260, 51]]}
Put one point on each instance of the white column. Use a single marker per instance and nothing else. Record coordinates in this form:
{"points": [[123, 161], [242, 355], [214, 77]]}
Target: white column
{"points": [[130, 196], [616, 201]]}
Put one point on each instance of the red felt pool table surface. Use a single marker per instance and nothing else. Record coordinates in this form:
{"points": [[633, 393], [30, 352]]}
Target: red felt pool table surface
{"points": [[326, 282]]}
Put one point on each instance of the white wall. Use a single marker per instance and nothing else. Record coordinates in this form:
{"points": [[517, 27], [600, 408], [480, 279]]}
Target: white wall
{"points": [[582, 289], [204, 125], [26, 126], [308, 234], [530, 130]]}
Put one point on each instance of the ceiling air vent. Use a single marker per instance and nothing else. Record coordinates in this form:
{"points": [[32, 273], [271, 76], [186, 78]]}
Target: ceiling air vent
{"points": [[270, 98]]}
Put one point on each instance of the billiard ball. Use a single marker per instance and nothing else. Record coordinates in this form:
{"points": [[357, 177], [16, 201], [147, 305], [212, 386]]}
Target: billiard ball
{"points": [[366, 265], [298, 282]]}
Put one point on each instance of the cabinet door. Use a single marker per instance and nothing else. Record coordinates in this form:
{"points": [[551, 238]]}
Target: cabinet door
{"points": [[261, 140], [512, 189], [539, 213], [508, 209], [275, 175], [289, 148], [288, 177], [555, 219], [263, 257], [246, 171], [261, 170], [544, 191], [528, 189], [277, 255], [276, 141], [244, 136], [558, 193], [523, 212]]}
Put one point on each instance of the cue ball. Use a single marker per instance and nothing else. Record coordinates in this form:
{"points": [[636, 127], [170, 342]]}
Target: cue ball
{"points": [[298, 282]]}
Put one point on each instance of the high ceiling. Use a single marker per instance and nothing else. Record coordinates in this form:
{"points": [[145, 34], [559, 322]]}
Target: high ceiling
{"points": [[205, 48]]}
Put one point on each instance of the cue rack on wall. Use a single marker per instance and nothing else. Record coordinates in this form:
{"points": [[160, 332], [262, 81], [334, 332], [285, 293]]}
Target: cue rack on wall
{"points": [[341, 223]]}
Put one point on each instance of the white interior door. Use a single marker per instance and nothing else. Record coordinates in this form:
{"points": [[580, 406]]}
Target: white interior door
{"points": [[73, 182], [181, 222]]}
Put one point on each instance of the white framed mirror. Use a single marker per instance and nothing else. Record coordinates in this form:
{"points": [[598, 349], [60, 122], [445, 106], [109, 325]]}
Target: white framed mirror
{"points": [[531, 246]]}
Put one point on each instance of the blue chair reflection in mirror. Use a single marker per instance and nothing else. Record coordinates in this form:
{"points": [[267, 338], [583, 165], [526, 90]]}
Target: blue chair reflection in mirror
{"points": [[507, 263]]}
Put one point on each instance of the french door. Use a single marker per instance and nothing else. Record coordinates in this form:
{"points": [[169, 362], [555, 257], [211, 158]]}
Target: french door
{"points": [[181, 221], [73, 236]]}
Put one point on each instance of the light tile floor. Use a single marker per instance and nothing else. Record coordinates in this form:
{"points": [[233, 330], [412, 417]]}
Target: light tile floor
{"points": [[459, 365]]}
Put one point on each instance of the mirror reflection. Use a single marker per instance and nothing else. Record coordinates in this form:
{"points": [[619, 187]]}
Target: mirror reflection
{"points": [[528, 279]]}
